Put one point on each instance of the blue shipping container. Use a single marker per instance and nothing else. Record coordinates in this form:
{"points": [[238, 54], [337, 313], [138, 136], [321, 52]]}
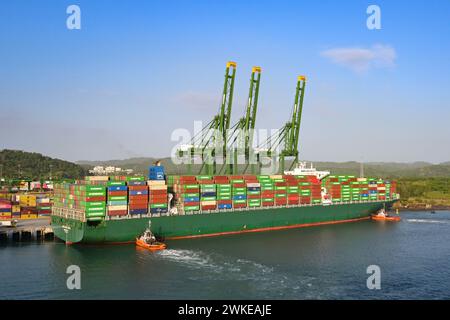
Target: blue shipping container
{"points": [[137, 211], [208, 194], [192, 199], [224, 206], [158, 210], [118, 188], [156, 173], [138, 192], [240, 197]]}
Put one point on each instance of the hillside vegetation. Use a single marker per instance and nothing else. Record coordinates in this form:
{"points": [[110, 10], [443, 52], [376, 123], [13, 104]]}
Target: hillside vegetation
{"points": [[29, 165]]}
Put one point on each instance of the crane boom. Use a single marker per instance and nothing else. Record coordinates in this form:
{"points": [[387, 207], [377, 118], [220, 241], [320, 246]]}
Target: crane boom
{"points": [[218, 126], [245, 126]]}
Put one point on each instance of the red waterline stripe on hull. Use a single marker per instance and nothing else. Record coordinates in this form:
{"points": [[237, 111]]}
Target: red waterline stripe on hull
{"points": [[268, 229]]}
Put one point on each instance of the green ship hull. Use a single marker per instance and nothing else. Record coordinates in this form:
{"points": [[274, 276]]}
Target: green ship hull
{"points": [[214, 223]]}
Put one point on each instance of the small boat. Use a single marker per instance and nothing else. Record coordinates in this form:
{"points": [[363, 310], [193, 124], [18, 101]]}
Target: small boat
{"points": [[433, 211], [383, 216], [148, 241], [150, 246]]}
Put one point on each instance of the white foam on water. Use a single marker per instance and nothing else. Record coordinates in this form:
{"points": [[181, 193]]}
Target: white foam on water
{"points": [[190, 258], [218, 267], [428, 221]]}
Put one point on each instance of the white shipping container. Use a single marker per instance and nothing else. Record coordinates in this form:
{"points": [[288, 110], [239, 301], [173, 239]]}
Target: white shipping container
{"points": [[254, 185]]}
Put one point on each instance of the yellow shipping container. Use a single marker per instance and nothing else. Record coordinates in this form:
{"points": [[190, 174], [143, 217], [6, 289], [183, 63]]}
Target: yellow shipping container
{"points": [[276, 176], [16, 208], [28, 216]]}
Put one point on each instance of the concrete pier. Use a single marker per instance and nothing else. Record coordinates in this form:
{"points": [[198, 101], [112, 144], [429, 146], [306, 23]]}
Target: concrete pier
{"points": [[28, 231]]}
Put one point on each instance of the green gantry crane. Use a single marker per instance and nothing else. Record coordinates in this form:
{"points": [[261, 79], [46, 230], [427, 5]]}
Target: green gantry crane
{"points": [[204, 143], [242, 132], [287, 137]]}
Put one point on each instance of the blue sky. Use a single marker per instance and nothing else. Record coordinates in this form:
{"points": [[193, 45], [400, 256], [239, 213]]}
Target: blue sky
{"points": [[137, 70]]}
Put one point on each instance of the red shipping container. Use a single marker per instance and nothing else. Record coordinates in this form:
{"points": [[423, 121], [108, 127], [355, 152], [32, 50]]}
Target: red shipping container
{"points": [[117, 193], [236, 177], [267, 194], [137, 206], [206, 181], [190, 204], [253, 196], [209, 207], [138, 197], [224, 201], [239, 205], [293, 202], [116, 213], [267, 204], [155, 201], [157, 192], [293, 197], [187, 178], [158, 199], [220, 177], [93, 199], [137, 202]]}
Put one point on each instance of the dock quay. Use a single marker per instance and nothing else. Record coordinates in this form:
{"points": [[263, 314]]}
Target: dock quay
{"points": [[28, 231]]}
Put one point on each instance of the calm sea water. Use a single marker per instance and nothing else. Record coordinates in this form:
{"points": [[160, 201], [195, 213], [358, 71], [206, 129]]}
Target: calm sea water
{"points": [[327, 262]]}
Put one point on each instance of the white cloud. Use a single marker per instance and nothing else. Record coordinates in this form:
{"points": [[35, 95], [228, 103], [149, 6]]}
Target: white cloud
{"points": [[362, 59]]}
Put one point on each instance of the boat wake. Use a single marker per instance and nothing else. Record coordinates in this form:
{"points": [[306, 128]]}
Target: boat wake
{"points": [[217, 267], [428, 221], [187, 258]]}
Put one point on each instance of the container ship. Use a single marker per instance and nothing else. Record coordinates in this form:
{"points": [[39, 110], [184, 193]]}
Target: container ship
{"points": [[115, 209], [118, 208]]}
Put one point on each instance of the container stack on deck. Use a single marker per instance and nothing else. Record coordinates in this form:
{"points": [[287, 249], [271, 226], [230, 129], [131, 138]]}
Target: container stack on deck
{"points": [[350, 188], [137, 196], [187, 193], [267, 191], [238, 192], [158, 196], [117, 198], [208, 193]]}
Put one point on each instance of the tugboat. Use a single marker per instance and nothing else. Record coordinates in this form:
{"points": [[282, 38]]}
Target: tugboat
{"points": [[383, 216], [148, 241]]}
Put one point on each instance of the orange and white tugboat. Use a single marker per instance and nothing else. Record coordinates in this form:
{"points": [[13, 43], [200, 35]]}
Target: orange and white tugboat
{"points": [[148, 241], [381, 215]]}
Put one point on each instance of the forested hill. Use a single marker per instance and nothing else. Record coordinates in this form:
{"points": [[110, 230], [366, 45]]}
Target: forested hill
{"points": [[29, 165]]}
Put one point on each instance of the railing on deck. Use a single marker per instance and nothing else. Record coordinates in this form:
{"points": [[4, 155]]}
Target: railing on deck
{"points": [[79, 214]]}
